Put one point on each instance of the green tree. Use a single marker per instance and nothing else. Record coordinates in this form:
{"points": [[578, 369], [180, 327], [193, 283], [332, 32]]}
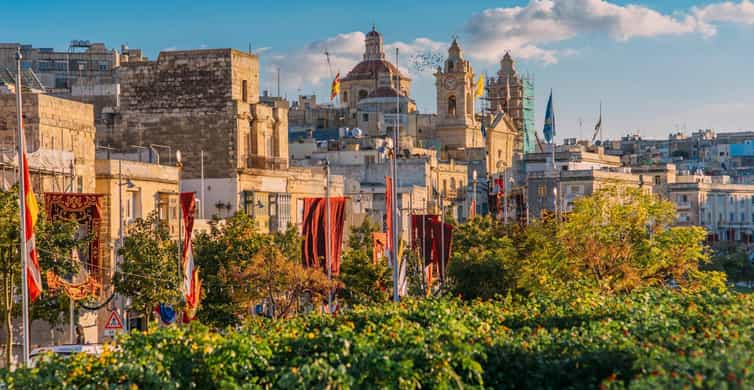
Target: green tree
{"points": [[363, 281], [619, 239], [148, 273], [231, 246], [280, 282], [55, 242], [484, 260], [733, 260]]}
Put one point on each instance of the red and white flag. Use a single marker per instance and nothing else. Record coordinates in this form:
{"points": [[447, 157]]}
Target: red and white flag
{"points": [[33, 274], [191, 283]]}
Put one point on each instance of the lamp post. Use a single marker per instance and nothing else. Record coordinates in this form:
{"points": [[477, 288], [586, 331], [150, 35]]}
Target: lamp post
{"points": [[121, 238], [509, 189], [473, 176]]}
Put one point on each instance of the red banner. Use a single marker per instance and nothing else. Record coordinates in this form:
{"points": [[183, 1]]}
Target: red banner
{"points": [[191, 283], [315, 231], [86, 210], [389, 211]]}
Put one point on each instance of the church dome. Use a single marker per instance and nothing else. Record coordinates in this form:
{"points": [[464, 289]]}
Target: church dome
{"points": [[370, 69]]}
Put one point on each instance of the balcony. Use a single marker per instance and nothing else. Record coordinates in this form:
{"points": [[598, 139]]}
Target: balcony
{"points": [[265, 162]]}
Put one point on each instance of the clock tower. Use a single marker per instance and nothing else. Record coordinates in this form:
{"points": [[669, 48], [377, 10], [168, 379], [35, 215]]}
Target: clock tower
{"points": [[456, 122]]}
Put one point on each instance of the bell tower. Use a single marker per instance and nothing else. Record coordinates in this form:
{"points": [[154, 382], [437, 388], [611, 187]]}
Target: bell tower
{"points": [[454, 82]]}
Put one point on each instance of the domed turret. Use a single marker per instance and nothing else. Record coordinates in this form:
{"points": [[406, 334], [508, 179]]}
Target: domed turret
{"points": [[373, 46]]}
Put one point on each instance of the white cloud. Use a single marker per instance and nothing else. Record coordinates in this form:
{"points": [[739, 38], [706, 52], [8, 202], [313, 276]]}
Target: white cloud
{"points": [[536, 31], [726, 12], [308, 66], [526, 31]]}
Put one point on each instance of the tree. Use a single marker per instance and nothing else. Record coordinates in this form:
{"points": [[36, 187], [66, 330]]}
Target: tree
{"points": [[148, 273], [271, 277], [619, 239], [484, 260], [364, 282], [230, 247], [733, 260], [55, 242]]}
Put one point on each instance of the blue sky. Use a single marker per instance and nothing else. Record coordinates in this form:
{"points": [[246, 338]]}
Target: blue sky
{"points": [[657, 66]]}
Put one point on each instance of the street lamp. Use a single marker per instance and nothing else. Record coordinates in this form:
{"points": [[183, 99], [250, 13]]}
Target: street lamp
{"points": [[121, 228], [473, 175]]}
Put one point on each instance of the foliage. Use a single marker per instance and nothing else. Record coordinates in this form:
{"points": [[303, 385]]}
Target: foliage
{"points": [[363, 281], [281, 283], [733, 260], [484, 260], [148, 273], [648, 338], [230, 249], [613, 241], [55, 243]]}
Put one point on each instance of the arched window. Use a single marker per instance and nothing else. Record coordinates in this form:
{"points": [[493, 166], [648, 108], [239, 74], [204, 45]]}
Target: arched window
{"points": [[363, 93], [452, 105], [452, 184], [469, 104], [450, 66]]}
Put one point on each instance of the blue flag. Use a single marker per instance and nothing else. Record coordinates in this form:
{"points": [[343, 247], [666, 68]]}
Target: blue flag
{"points": [[549, 129]]}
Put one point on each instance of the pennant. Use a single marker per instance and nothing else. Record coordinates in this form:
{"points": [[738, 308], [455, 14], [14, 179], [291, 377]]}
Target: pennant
{"points": [[166, 313], [549, 128], [335, 88], [479, 86]]}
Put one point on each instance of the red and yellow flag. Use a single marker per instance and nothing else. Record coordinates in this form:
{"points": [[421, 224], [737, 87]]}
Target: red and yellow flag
{"points": [[335, 88], [33, 274]]}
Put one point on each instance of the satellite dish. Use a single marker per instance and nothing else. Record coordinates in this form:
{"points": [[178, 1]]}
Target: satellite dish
{"points": [[356, 132]]}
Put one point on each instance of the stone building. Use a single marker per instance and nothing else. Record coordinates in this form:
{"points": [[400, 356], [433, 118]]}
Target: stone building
{"points": [[725, 209], [131, 190], [234, 147], [84, 72], [59, 139], [513, 94], [372, 73], [457, 125]]}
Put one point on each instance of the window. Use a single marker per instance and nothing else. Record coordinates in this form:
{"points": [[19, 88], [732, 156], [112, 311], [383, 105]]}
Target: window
{"points": [[658, 179], [244, 91], [450, 66], [499, 154], [469, 104], [683, 198], [452, 184], [444, 186], [732, 218], [452, 105], [365, 117], [363, 93], [541, 191], [345, 96]]}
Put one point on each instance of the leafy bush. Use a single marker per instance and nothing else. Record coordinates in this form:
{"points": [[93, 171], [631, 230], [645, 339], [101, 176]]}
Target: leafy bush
{"points": [[649, 338]]}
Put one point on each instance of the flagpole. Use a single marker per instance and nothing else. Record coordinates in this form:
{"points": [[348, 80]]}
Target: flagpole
{"points": [[22, 209], [328, 239], [394, 182], [602, 141]]}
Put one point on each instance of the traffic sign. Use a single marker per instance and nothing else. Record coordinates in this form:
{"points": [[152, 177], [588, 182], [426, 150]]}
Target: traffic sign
{"points": [[110, 332], [114, 322]]}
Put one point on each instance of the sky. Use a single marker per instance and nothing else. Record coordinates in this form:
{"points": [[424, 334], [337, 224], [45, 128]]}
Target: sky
{"points": [[656, 66]]}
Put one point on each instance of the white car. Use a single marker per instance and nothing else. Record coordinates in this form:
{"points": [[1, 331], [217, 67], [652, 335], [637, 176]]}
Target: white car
{"points": [[65, 350]]}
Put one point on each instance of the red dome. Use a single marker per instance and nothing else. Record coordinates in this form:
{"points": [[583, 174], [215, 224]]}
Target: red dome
{"points": [[368, 70]]}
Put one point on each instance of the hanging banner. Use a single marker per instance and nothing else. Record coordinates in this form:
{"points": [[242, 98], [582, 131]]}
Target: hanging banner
{"points": [[191, 283], [86, 211], [76, 291], [314, 232], [379, 247]]}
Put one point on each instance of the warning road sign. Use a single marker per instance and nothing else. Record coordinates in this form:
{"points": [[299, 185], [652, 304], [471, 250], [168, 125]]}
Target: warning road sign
{"points": [[114, 322]]}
